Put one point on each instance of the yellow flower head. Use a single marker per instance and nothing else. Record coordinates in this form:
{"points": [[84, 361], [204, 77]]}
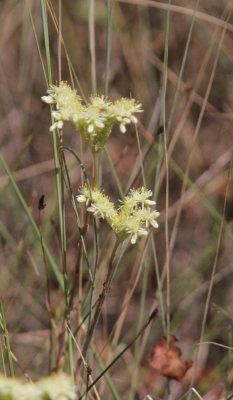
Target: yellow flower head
{"points": [[93, 120], [54, 387], [132, 218]]}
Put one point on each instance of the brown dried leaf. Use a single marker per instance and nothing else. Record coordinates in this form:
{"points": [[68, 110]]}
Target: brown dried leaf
{"points": [[167, 359]]}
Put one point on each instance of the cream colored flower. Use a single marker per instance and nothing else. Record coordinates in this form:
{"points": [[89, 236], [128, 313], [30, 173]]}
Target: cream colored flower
{"points": [[132, 218], [93, 120], [54, 387]]}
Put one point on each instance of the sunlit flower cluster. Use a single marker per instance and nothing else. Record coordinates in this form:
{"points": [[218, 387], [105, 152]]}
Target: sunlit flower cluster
{"points": [[68, 104], [94, 120], [57, 386], [132, 218]]}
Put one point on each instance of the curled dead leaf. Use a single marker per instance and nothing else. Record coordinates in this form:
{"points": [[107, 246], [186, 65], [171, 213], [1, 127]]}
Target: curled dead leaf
{"points": [[166, 359]]}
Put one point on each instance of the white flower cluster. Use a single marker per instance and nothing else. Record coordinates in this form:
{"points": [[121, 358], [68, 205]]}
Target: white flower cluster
{"points": [[123, 110], [94, 120], [68, 104], [133, 217], [55, 387]]}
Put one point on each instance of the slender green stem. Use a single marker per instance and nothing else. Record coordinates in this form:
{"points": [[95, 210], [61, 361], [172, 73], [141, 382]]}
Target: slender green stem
{"points": [[37, 41], [178, 83], [59, 39], [138, 344], [108, 42], [167, 262], [150, 319], [46, 40], [57, 159], [91, 22], [102, 297], [67, 326], [48, 301], [140, 156], [114, 174], [108, 378], [95, 176], [159, 285], [4, 329], [34, 226]]}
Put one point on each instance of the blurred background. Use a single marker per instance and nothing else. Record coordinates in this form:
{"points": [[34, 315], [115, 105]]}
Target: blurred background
{"points": [[138, 46]]}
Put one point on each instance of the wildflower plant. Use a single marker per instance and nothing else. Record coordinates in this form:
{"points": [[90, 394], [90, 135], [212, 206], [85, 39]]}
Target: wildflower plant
{"points": [[131, 218], [93, 120]]}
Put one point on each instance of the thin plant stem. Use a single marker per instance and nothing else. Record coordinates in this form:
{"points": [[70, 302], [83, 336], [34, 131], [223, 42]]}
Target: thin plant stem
{"points": [[91, 25], [137, 352], [181, 10], [72, 71], [116, 331], [81, 228], [37, 42], [95, 176], [4, 329], [114, 174], [178, 83], [108, 42], [34, 226], [200, 118], [3, 364], [48, 299], [159, 285], [140, 157], [106, 287], [59, 39], [195, 135], [164, 85], [96, 248], [150, 319], [213, 272], [108, 379], [46, 40], [57, 157], [64, 252]]}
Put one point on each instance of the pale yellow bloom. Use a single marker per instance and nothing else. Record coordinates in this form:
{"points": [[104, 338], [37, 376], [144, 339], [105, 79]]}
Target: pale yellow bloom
{"points": [[54, 387], [132, 218], [93, 120]]}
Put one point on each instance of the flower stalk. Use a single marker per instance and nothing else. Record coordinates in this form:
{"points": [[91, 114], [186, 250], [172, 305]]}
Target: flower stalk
{"points": [[95, 176], [102, 297], [132, 217]]}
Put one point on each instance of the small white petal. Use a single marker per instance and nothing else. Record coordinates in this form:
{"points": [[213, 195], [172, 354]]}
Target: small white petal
{"points": [[134, 119], [56, 115], [81, 198], [150, 202], [99, 124], [134, 238], [60, 124], [92, 208], [90, 128], [47, 99], [122, 128], [53, 127], [154, 224], [142, 232]]}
